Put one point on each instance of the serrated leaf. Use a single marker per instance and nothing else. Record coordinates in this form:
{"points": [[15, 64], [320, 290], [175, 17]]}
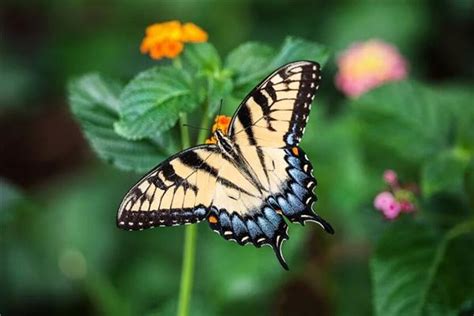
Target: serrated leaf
{"points": [[150, 104], [258, 60], [405, 118], [248, 59], [95, 103], [417, 272]]}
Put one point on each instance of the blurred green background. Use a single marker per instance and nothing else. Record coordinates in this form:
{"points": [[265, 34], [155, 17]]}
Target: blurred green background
{"points": [[60, 251]]}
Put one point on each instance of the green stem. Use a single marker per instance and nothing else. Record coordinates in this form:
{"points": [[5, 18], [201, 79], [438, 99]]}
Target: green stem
{"points": [[185, 140], [204, 124], [187, 271], [190, 234], [204, 132]]}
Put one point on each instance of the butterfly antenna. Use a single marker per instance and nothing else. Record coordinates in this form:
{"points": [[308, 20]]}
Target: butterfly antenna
{"points": [[196, 127], [220, 106]]}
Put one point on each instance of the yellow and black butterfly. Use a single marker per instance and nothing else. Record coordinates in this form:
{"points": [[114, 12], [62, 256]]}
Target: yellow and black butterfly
{"points": [[245, 183]]}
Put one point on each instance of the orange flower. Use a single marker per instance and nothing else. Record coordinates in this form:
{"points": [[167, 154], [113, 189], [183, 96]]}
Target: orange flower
{"points": [[193, 33], [222, 123], [167, 39]]}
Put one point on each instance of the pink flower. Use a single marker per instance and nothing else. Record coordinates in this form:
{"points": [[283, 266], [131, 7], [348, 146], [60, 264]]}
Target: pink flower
{"points": [[392, 210], [383, 199], [390, 177], [367, 65], [387, 204]]}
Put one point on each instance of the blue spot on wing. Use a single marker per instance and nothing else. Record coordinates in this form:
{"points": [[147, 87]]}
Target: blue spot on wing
{"points": [[290, 139], [272, 216], [296, 204], [224, 220], [254, 230], [200, 212], [298, 175], [299, 191], [285, 207], [294, 162], [238, 226], [267, 228]]}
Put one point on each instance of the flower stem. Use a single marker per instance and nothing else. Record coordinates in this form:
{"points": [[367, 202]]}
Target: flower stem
{"points": [[190, 234], [187, 271], [183, 121], [204, 132], [204, 124]]}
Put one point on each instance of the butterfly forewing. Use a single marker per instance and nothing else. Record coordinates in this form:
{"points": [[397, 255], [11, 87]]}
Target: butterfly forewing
{"points": [[275, 113], [178, 191]]}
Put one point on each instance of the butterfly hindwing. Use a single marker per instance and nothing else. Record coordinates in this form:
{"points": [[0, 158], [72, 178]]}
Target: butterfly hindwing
{"points": [[275, 113], [285, 176], [296, 196], [178, 191]]}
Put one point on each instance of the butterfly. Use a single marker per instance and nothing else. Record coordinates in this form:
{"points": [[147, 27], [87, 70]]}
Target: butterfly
{"points": [[250, 180]]}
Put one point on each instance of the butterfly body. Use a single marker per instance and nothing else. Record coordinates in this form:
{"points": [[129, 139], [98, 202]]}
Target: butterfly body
{"points": [[246, 183]]}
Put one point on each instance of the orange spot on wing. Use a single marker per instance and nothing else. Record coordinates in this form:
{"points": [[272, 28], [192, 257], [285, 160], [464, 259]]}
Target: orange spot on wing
{"points": [[295, 151], [212, 219]]}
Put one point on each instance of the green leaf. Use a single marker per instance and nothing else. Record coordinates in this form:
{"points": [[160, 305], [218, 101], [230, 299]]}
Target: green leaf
{"points": [[151, 102], [251, 62], [294, 49], [469, 180], [201, 58], [255, 275], [94, 101], [210, 81], [249, 59], [405, 119], [445, 173], [459, 98], [416, 271]]}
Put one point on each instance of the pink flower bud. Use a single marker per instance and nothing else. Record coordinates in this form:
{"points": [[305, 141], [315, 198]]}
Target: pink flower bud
{"points": [[390, 177], [407, 206]]}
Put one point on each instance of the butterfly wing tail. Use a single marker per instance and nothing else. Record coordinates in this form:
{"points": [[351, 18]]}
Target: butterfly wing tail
{"points": [[297, 199]]}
